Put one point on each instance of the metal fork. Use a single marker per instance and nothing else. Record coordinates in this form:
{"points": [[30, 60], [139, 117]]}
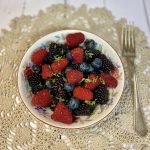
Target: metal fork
{"points": [[129, 52]]}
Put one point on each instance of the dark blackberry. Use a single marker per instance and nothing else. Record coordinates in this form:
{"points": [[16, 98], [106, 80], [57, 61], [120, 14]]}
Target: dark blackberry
{"points": [[54, 103], [35, 79], [61, 96], [37, 88], [53, 45], [62, 49], [107, 65], [90, 54], [36, 68], [57, 83], [84, 109], [53, 52], [51, 56], [101, 94], [48, 59], [62, 93], [75, 66]]}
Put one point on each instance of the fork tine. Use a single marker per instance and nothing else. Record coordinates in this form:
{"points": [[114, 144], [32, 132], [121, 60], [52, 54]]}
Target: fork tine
{"points": [[132, 37], [125, 37], [129, 35]]}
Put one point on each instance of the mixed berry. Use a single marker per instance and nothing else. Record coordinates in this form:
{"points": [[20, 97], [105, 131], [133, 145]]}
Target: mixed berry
{"points": [[71, 78]]}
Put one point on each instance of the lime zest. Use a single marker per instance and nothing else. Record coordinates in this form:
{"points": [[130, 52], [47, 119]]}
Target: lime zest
{"points": [[57, 58], [88, 80], [90, 102]]}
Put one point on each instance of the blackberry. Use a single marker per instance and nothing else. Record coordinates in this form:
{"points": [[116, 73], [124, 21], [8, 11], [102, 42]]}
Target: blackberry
{"points": [[55, 50], [35, 79], [57, 83], [101, 94], [54, 103], [51, 56], [90, 54], [37, 88], [48, 59], [61, 95], [107, 65], [75, 66], [53, 45], [96, 53], [37, 68], [62, 49], [84, 109], [58, 49]]}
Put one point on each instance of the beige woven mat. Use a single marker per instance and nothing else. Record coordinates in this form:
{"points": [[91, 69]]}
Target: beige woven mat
{"points": [[22, 131]]}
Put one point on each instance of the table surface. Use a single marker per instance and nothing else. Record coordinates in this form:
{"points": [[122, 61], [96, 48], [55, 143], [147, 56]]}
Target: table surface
{"points": [[137, 11]]}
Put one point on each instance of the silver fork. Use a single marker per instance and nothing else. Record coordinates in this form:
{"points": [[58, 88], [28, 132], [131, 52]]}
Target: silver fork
{"points": [[129, 52]]}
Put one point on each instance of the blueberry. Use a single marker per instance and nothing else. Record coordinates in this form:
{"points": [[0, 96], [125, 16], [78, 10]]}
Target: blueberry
{"points": [[43, 46], [48, 84], [89, 43], [66, 47], [68, 55], [73, 103], [91, 69], [97, 63], [84, 67], [36, 68], [68, 87]]}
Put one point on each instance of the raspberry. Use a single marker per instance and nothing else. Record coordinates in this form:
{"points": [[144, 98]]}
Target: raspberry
{"points": [[42, 98], [82, 93], [62, 114], [109, 80], [73, 40], [78, 55], [59, 65], [74, 76], [38, 56]]}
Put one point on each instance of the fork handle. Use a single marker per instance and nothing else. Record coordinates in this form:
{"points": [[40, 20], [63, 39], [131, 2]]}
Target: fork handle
{"points": [[139, 123]]}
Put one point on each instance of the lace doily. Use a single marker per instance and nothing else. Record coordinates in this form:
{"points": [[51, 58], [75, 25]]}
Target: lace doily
{"points": [[21, 130]]}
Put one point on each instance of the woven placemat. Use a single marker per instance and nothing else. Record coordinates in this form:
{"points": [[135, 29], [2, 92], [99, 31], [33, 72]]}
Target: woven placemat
{"points": [[21, 130]]}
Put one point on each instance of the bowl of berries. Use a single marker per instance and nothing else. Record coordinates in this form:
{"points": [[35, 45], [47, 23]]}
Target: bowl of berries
{"points": [[71, 79]]}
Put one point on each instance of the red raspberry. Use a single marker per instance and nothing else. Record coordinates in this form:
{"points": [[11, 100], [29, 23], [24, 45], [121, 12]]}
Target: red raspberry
{"points": [[59, 65], [93, 83], [110, 81], [73, 40], [62, 114], [46, 71], [42, 98], [82, 93], [38, 56], [27, 72], [74, 76], [78, 55]]}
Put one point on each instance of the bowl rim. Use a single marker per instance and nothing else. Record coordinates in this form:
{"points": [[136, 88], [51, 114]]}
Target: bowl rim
{"points": [[94, 123]]}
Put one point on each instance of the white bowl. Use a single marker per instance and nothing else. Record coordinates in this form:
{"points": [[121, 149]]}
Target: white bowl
{"points": [[44, 114]]}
